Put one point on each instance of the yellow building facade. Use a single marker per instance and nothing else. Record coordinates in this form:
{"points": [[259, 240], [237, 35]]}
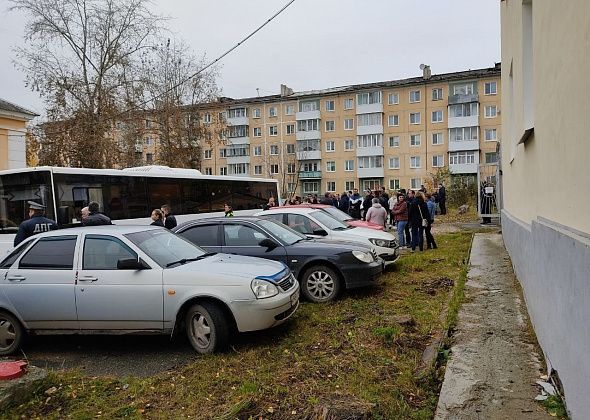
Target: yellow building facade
{"points": [[13, 128]]}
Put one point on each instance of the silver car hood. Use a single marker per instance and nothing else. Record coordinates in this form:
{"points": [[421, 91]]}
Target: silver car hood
{"points": [[234, 266]]}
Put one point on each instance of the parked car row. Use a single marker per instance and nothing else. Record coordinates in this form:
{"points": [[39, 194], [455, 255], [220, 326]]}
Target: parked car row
{"points": [[207, 279]]}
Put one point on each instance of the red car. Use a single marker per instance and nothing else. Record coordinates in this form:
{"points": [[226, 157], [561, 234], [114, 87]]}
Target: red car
{"points": [[340, 215]]}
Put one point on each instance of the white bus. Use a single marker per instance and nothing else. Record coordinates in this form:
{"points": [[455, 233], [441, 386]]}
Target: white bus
{"points": [[127, 196]]}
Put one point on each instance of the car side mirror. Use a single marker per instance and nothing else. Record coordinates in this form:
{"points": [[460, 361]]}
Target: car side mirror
{"points": [[130, 264], [268, 243], [320, 232]]}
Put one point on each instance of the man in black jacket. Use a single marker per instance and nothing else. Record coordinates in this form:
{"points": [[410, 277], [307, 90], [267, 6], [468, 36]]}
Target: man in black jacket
{"points": [[37, 223], [91, 216], [170, 220], [442, 198]]}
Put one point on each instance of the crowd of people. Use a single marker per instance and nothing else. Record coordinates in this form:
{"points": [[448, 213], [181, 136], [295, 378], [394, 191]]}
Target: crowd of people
{"points": [[410, 212]]}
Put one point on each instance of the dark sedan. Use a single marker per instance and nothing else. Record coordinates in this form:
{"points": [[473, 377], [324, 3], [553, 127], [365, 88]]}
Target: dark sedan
{"points": [[322, 267]]}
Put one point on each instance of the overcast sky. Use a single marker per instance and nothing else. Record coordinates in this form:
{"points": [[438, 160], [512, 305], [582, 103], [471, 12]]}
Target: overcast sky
{"points": [[313, 44]]}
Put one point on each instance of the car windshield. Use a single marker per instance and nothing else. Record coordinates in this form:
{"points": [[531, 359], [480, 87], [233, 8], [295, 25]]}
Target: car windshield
{"points": [[328, 221], [282, 232], [337, 214], [164, 247]]}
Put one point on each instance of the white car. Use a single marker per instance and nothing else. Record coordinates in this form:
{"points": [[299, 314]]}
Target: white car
{"points": [[134, 279], [319, 224]]}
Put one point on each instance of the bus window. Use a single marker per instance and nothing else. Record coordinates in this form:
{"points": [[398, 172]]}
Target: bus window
{"points": [[134, 196], [246, 195], [16, 190], [220, 192], [195, 198], [165, 191]]}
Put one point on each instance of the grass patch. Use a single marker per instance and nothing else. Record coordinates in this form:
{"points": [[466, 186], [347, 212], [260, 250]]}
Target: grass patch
{"points": [[349, 350], [555, 407]]}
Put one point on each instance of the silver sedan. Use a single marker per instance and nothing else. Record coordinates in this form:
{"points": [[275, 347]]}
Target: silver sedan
{"points": [[132, 279]]}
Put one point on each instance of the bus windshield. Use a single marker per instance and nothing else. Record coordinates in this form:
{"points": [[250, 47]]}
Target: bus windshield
{"points": [[15, 190]]}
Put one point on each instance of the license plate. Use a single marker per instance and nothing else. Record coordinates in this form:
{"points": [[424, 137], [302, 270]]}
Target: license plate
{"points": [[294, 298]]}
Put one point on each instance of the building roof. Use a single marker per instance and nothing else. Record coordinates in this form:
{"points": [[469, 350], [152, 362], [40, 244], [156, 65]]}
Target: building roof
{"points": [[7, 106]]}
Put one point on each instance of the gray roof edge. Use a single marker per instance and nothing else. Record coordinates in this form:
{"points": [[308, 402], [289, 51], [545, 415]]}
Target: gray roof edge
{"points": [[11, 107]]}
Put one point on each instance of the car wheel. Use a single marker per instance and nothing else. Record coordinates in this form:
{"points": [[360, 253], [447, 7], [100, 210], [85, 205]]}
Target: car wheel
{"points": [[11, 334], [320, 284], [207, 328]]}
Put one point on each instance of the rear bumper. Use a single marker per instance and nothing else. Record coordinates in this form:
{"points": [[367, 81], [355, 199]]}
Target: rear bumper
{"points": [[361, 275]]}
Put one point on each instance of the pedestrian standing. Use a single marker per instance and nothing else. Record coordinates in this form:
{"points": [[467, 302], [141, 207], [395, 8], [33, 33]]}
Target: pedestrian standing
{"points": [[392, 202], [271, 203], [344, 204], [367, 203], [419, 220], [169, 219], [376, 213], [442, 198], [37, 223], [400, 214], [95, 218], [157, 218], [431, 211], [355, 204], [229, 212]]}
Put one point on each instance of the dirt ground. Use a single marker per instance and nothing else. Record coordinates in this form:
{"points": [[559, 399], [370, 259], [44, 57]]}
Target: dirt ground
{"points": [[494, 361]]}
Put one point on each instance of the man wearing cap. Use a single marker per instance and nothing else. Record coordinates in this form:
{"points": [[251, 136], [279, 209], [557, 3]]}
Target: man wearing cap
{"points": [[37, 223]]}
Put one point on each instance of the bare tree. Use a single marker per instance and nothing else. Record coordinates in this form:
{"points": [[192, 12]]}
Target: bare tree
{"points": [[82, 56]]}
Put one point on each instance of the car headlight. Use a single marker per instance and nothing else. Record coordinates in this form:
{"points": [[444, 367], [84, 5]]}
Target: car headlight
{"points": [[263, 289], [379, 242], [363, 256]]}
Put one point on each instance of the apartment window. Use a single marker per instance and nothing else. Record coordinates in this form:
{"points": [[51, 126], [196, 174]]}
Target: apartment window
{"points": [[331, 166], [463, 110], [461, 158], [437, 94], [415, 183], [274, 149], [237, 112], [349, 185], [274, 169], [349, 165], [148, 141], [330, 186], [330, 126], [349, 103], [208, 154], [206, 119], [490, 134], [221, 116], [414, 162], [491, 111], [272, 111], [369, 119], [394, 162], [393, 98], [415, 140], [290, 149], [290, 128], [223, 170], [308, 145], [438, 161], [368, 98], [311, 167], [348, 144], [237, 131], [310, 187], [291, 187], [349, 124], [330, 105], [258, 170], [148, 123], [464, 89], [222, 153], [273, 130], [370, 140], [394, 141], [491, 157], [394, 184], [393, 120], [256, 113], [257, 132], [463, 134], [289, 109], [308, 125], [414, 96], [149, 158], [257, 150], [306, 106], [208, 171], [437, 116], [290, 168], [490, 88], [330, 146], [367, 162], [437, 138], [414, 118]]}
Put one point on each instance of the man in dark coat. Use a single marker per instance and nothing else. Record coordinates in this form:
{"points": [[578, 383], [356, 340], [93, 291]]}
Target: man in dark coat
{"points": [[442, 198], [94, 218], [367, 202], [170, 220], [37, 223], [327, 200], [344, 204]]}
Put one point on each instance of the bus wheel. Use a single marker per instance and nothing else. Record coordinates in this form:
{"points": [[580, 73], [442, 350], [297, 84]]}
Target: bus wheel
{"points": [[207, 328]]}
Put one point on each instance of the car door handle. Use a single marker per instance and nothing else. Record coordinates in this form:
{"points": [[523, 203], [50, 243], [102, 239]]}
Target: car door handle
{"points": [[88, 278], [16, 278]]}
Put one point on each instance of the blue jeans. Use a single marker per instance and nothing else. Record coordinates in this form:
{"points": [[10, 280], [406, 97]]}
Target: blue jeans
{"points": [[417, 237], [401, 225]]}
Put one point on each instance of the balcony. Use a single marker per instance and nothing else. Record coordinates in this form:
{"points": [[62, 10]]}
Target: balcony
{"points": [[369, 108], [470, 121], [369, 151], [463, 99], [455, 146], [310, 174], [232, 160], [308, 135], [238, 121], [369, 129], [307, 115], [370, 172], [463, 168], [309, 155], [238, 140]]}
